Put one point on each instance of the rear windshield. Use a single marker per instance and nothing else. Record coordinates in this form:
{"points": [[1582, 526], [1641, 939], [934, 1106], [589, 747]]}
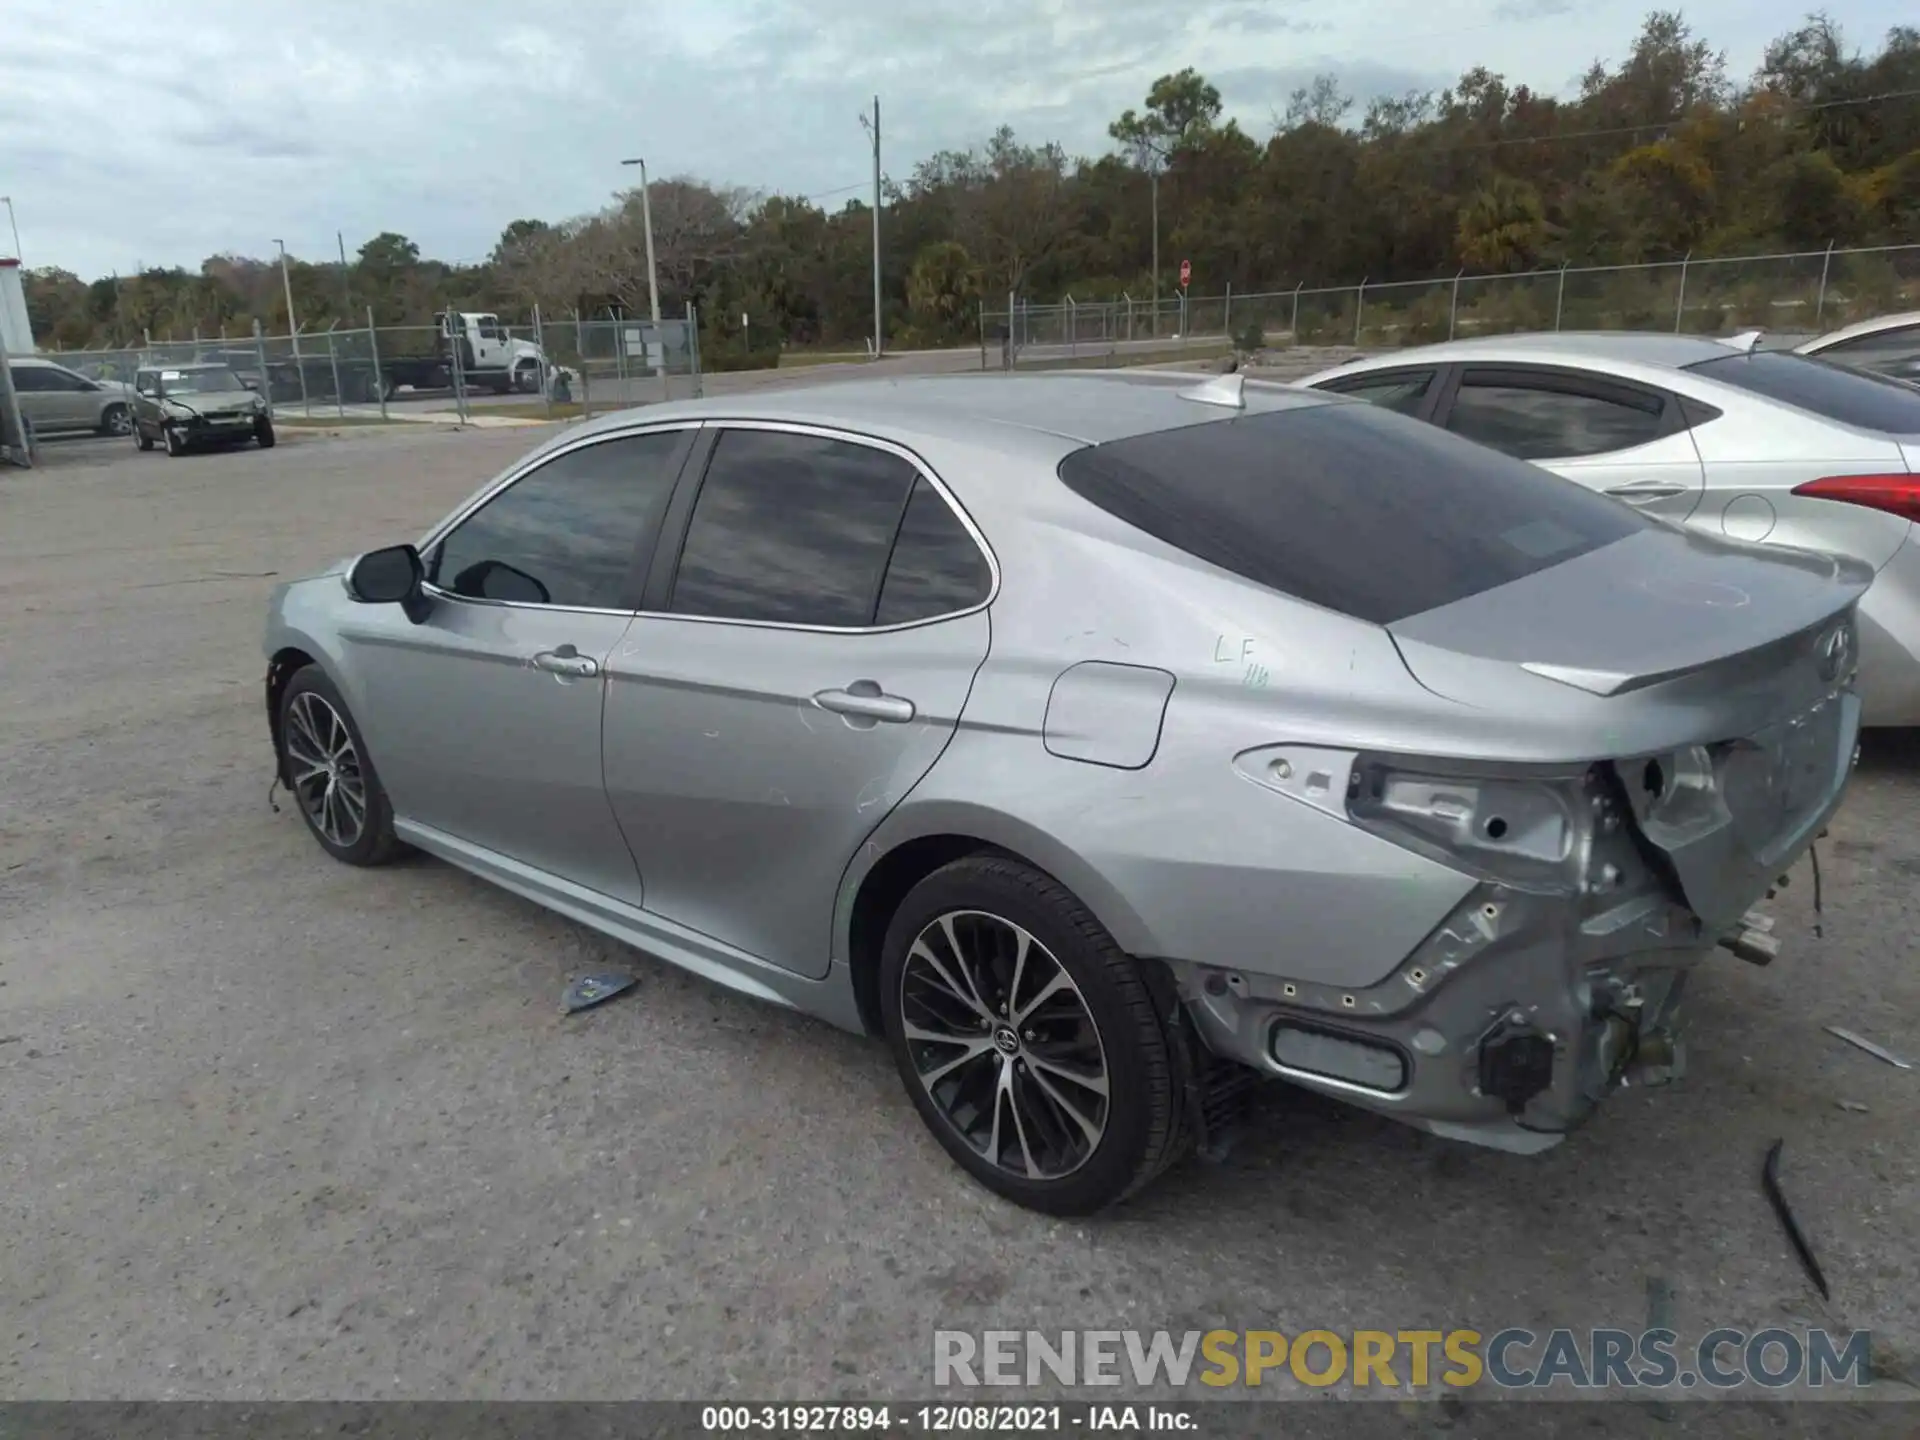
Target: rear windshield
{"points": [[1851, 397], [1348, 506]]}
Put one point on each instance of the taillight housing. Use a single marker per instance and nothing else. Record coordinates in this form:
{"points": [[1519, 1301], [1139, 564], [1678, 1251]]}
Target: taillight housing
{"points": [[1895, 494]]}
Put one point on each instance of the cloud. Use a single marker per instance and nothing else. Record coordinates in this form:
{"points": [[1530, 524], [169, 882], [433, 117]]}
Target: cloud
{"points": [[231, 123]]}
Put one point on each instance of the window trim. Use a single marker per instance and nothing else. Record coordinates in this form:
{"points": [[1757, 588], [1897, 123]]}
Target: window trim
{"points": [[1436, 386], [1837, 347], [532, 466], [666, 572], [1564, 380]]}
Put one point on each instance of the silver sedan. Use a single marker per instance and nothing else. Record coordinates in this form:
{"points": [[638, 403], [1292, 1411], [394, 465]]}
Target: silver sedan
{"points": [[1887, 344], [1104, 746], [1733, 441]]}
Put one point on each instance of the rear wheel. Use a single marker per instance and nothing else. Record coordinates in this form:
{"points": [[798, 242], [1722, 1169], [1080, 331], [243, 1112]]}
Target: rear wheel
{"points": [[1027, 1039], [325, 764]]}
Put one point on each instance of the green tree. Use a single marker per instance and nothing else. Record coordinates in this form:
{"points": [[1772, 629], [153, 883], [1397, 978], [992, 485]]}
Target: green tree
{"points": [[1503, 227], [943, 290]]}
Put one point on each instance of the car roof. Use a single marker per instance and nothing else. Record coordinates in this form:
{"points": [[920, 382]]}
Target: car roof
{"points": [[1634, 347], [1861, 327], [187, 365], [1085, 408]]}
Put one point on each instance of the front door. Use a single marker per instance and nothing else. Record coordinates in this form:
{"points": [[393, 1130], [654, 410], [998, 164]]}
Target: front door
{"points": [[484, 721], [820, 638], [1621, 439]]}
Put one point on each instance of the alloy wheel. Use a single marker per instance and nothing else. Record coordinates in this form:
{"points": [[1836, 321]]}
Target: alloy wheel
{"points": [[1004, 1044], [119, 420], [325, 769]]}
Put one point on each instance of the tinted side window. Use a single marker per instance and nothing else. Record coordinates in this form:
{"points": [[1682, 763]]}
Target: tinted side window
{"points": [[791, 528], [1532, 422], [1349, 507], [32, 377], [1872, 350], [565, 533], [1851, 397], [936, 567], [1402, 391]]}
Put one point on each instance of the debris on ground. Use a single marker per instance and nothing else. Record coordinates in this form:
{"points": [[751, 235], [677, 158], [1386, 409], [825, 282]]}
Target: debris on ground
{"points": [[1770, 1182], [1854, 1106], [591, 990], [1872, 1049]]}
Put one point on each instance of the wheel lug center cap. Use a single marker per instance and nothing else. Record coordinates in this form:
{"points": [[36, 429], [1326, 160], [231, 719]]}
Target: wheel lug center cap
{"points": [[1006, 1040]]}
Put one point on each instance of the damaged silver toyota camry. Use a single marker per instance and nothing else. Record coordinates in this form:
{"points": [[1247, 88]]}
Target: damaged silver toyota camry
{"points": [[1104, 744]]}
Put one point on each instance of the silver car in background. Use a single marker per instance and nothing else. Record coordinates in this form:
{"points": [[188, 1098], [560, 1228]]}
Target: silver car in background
{"points": [[1887, 344], [1106, 747], [55, 400], [1733, 441]]}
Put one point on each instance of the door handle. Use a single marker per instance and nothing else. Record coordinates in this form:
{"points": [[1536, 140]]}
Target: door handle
{"points": [[566, 661], [1636, 490], [866, 699]]}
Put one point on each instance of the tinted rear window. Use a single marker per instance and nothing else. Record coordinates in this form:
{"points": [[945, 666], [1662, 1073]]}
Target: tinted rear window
{"points": [[1851, 397], [1348, 506]]}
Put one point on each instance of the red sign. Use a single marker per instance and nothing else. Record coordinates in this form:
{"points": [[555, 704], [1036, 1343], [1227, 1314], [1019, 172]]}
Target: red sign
{"points": [[1186, 273]]}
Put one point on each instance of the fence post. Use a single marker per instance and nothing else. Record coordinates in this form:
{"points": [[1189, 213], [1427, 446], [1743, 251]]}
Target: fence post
{"points": [[1124, 295], [1013, 340], [1226, 315], [1559, 296], [1453, 308], [546, 364], [379, 376], [1359, 308], [1680, 306], [1820, 305], [1293, 332], [333, 358], [580, 349], [982, 323], [1073, 328], [266, 379], [459, 364], [693, 349]]}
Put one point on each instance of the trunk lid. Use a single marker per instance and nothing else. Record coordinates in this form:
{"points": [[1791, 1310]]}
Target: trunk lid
{"points": [[1716, 679]]}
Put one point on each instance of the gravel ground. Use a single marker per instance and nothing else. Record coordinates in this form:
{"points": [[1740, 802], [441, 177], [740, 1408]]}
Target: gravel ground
{"points": [[275, 1128]]}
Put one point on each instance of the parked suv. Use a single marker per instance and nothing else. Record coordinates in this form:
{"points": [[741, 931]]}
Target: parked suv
{"points": [[54, 398], [183, 406]]}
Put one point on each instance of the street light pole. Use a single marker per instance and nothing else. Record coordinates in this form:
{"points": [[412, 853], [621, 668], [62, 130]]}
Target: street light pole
{"points": [[14, 221]]}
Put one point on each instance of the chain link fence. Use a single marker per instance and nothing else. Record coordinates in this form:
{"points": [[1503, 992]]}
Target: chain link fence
{"points": [[547, 369], [1802, 294]]}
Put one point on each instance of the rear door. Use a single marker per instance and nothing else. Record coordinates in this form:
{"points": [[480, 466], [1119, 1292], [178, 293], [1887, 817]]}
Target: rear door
{"points": [[791, 681], [1626, 440]]}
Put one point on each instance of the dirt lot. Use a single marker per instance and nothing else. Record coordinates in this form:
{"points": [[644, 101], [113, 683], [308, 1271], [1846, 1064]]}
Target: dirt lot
{"points": [[271, 1127]]}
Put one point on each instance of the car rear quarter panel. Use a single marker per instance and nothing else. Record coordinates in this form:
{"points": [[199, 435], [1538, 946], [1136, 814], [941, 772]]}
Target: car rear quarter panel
{"points": [[1187, 856]]}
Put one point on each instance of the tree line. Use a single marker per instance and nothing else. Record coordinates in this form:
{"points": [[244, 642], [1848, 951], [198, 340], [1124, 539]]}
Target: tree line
{"points": [[1659, 156]]}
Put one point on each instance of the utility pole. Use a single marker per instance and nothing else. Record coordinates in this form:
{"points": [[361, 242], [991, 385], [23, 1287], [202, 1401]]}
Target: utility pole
{"points": [[1153, 188], [346, 291], [293, 329], [872, 128], [653, 273]]}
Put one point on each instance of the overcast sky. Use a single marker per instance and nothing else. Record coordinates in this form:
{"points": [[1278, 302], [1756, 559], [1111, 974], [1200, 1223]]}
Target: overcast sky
{"points": [[160, 132]]}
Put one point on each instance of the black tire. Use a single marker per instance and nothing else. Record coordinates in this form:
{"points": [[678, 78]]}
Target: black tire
{"points": [[116, 420], [1144, 1130], [176, 445], [263, 433], [141, 439], [374, 842]]}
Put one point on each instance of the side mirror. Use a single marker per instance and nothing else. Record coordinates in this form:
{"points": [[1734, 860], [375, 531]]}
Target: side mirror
{"points": [[253, 385], [392, 576]]}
